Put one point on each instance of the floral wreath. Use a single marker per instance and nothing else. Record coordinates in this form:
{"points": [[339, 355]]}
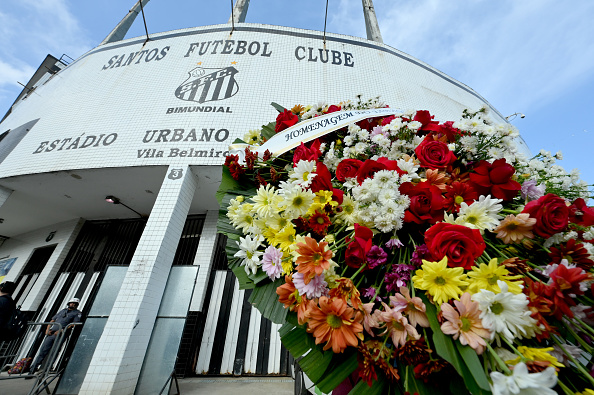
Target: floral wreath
{"points": [[406, 255]]}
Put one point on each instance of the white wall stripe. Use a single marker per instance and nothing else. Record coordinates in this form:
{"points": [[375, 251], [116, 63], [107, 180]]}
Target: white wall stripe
{"points": [[85, 297], [210, 325], [23, 296], [232, 330], [251, 352], [33, 330], [275, 350]]}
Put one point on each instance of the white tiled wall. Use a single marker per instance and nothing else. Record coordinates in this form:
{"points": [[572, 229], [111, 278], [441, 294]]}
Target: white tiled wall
{"points": [[22, 246], [118, 358], [91, 98]]}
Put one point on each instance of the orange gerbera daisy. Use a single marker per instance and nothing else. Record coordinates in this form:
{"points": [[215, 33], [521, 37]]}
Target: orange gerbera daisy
{"points": [[335, 323], [515, 228], [313, 258], [346, 290], [289, 296]]}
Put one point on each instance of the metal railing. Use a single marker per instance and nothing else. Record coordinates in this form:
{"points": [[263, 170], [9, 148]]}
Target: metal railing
{"points": [[45, 376]]}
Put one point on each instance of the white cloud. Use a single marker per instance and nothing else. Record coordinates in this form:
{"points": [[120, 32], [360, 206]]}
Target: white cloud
{"points": [[516, 54]]}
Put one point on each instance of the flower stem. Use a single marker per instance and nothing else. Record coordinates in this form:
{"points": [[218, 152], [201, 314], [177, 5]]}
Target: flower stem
{"points": [[358, 271], [585, 345], [577, 364], [499, 361], [584, 326]]}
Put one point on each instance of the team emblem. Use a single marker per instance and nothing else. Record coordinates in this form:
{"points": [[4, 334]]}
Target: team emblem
{"points": [[206, 85]]}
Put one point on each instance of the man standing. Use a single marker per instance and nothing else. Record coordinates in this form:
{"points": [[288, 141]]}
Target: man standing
{"points": [[64, 317], [7, 306]]}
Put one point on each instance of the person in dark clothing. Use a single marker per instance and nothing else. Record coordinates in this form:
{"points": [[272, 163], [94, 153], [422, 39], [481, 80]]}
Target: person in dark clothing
{"points": [[7, 305], [64, 317]]}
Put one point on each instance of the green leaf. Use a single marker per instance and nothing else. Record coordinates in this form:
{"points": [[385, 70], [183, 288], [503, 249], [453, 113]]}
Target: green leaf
{"points": [[244, 281], [238, 141], [412, 385], [278, 107], [337, 374], [474, 365], [377, 387], [265, 299], [228, 183], [315, 363], [268, 130], [295, 341]]}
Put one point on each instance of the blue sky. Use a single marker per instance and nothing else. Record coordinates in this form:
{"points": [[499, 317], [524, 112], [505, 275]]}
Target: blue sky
{"points": [[531, 56]]}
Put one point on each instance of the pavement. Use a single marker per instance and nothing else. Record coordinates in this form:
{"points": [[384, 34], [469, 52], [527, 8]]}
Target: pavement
{"points": [[188, 386]]}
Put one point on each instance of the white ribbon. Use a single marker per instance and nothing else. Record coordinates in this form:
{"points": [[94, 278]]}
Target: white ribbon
{"points": [[309, 130]]}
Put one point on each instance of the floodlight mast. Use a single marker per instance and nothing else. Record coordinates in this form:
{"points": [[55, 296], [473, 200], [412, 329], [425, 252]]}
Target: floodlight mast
{"points": [[238, 15], [119, 32]]}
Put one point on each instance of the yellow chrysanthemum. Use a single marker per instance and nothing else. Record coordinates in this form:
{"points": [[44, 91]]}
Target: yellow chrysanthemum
{"points": [[536, 354], [321, 200], [252, 137], [284, 238], [486, 276], [439, 281], [587, 391], [287, 263]]}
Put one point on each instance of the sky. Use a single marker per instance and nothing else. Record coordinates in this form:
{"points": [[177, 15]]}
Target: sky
{"points": [[534, 57]]}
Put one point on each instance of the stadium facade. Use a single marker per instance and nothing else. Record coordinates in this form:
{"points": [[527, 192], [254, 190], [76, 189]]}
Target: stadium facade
{"points": [[148, 124]]}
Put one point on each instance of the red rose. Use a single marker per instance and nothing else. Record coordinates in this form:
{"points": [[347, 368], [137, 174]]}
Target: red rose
{"points": [[323, 179], [434, 154], [285, 120], [359, 247], [390, 165], [347, 168], [461, 245], [426, 203], [551, 214], [304, 153], [495, 179], [333, 108], [581, 214], [368, 169]]}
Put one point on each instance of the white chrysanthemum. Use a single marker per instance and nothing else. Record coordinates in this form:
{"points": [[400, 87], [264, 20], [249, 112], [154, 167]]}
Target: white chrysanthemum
{"points": [[266, 201], [524, 383], [414, 125], [296, 202], [482, 214], [360, 148], [248, 250], [303, 173], [348, 141], [386, 178], [505, 313], [387, 196]]}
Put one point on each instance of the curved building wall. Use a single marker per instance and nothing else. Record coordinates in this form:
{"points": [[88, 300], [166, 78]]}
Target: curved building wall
{"points": [[184, 96]]}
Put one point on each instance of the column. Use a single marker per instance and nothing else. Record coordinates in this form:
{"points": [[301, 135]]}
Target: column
{"points": [[118, 358]]}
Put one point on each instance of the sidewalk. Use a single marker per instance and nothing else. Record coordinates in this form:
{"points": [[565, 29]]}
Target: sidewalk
{"points": [[190, 386]]}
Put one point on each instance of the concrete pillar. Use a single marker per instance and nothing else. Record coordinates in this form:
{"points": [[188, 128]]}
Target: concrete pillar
{"points": [[118, 358], [371, 25], [119, 32]]}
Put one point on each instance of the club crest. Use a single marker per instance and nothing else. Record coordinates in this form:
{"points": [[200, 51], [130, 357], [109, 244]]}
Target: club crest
{"points": [[205, 85]]}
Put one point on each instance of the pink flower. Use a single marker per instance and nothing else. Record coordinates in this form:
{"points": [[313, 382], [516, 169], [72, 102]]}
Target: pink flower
{"points": [[414, 308], [465, 323], [271, 262], [315, 288], [397, 326], [369, 320]]}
